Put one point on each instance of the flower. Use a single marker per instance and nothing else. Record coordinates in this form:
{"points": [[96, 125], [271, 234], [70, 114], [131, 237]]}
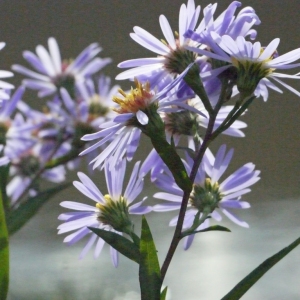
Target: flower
{"points": [[134, 110], [253, 65], [4, 86], [209, 195], [84, 114], [172, 58], [187, 122], [15, 131], [51, 73], [26, 167], [96, 99], [226, 24], [175, 52], [97, 215]]}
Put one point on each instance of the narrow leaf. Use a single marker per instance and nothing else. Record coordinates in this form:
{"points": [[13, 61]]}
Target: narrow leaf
{"points": [[211, 228], [155, 129], [17, 218], [4, 253], [149, 272], [245, 284], [163, 294], [4, 172], [119, 242]]}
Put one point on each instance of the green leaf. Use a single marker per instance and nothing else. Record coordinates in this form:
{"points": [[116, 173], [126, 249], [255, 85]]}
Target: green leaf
{"points": [[119, 242], [4, 173], [17, 218], [163, 294], [211, 228], [149, 272], [4, 253], [170, 157], [155, 129], [245, 284]]}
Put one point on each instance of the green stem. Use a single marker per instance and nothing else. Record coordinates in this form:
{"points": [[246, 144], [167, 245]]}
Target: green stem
{"points": [[177, 236], [4, 253], [192, 78], [62, 159], [197, 222], [233, 115]]}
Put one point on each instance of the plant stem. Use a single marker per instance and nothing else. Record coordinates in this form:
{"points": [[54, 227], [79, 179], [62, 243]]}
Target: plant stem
{"points": [[186, 193], [4, 253]]}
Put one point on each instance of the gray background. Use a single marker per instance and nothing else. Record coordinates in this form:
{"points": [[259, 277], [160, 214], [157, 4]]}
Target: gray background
{"points": [[43, 268]]}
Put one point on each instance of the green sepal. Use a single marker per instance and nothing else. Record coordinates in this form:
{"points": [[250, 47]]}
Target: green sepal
{"points": [[245, 284], [4, 253], [119, 242], [163, 294], [149, 271], [18, 217], [211, 228]]}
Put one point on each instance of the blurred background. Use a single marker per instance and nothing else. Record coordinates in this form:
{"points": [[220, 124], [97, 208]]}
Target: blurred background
{"points": [[42, 267]]}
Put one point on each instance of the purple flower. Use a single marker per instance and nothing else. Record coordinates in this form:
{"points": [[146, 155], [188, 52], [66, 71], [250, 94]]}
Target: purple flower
{"points": [[209, 194], [158, 70], [4, 86], [95, 100], [186, 122], [26, 166], [51, 73], [122, 134], [95, 215], [226, 24], [254, 65], [16, 131]]}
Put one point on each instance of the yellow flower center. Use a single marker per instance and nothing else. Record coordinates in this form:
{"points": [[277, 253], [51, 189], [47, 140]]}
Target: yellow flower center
{"points": [[137, 99], [96, 109]]}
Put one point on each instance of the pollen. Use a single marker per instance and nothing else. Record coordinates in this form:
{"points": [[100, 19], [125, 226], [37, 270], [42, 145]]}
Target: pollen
{"points": [[137, 99]]}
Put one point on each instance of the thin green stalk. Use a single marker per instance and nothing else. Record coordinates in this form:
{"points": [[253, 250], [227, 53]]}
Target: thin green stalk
{"points": [[192, 78], [234, 114], [177, 236], [4, 253]]}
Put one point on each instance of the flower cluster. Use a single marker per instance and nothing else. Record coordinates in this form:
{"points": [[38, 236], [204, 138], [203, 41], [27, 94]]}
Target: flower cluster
{"points": [[201, 81], [41, 144], [180, 101]]}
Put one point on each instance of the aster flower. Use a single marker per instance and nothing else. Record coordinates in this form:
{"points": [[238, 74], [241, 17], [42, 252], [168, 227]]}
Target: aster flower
{"points": [[15, 131], [84, 114], [24, 169], [96, 99], [253, 64], [123, 132], [226, 23], [188, 123], [101, 214], [51, 73], [209, 196], [4, 86], [172, 58]]}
